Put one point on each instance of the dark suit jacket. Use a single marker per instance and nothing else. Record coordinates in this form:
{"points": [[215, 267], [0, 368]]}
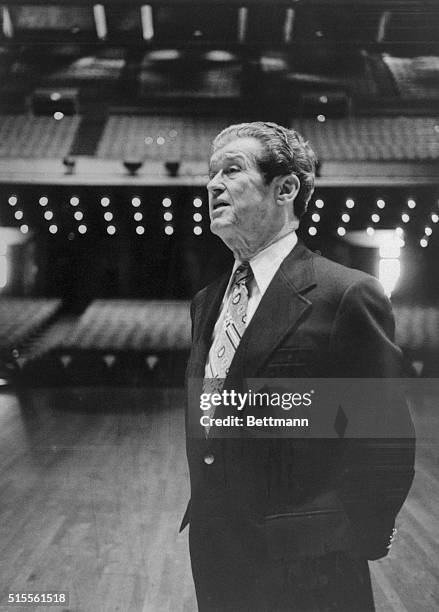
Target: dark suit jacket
{"points": [[302, 498]]}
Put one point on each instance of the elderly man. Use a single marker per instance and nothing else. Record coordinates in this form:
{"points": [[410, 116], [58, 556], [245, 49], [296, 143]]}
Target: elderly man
{"points": [[284, 524]]}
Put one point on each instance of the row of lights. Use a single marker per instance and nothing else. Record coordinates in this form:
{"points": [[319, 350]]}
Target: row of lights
{"points": [[197, 216], [374, 217], [19, 214], [345, 217], [168, 216]]}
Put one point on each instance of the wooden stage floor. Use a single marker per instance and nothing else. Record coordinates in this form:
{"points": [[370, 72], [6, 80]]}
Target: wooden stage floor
{"points": [[93, 485]]}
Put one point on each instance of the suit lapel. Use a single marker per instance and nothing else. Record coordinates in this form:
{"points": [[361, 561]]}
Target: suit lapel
{"points": [[279, 310], [205, 316]]}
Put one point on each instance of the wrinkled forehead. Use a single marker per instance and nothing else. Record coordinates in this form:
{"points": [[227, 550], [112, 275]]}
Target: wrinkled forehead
{"points": [[248, 150]]}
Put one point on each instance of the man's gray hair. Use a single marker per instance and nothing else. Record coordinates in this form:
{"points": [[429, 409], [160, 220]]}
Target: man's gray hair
{"points": [[284, 152]]}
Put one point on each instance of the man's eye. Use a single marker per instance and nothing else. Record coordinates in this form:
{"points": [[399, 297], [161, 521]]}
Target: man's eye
{"points": [[232, 169]]}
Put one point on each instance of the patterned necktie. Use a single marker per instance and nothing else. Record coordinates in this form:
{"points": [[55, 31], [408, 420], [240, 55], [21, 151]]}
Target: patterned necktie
{"points": [[232, 330]]}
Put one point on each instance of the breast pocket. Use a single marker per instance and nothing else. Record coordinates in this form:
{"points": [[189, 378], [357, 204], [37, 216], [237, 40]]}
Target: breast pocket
{"points": [[295, 362]]}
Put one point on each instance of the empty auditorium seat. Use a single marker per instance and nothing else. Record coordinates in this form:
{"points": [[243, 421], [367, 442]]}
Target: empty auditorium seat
{"points": [[102, 67], [417, 328], [53, 23], [354, 139], [24, 136], [372, 139], [416, 78], [158, 138], [21, 317], [132, 325]]}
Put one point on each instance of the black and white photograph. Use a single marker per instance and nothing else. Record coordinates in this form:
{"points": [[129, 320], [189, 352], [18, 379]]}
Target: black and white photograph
{"points": [[219, 305]]}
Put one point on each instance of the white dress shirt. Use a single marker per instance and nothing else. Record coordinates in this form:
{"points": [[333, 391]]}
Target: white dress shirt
{"points": [[264, 266]]}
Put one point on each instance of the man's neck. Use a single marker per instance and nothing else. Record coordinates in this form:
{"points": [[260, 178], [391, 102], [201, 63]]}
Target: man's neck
{"points": [[245, 253]]}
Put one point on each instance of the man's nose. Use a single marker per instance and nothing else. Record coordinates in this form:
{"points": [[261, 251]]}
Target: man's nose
{"points": [[215, 186]]}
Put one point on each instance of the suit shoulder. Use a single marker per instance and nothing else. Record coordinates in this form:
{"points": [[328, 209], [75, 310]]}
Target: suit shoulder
{"points": [[200, 295], [340, 278]]}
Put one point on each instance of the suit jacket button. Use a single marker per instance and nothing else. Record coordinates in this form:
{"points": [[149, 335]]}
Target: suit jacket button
{"points": [[209, 459]]}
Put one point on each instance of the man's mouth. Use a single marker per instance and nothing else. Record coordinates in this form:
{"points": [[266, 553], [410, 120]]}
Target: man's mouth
{"points": [[219, 205]]}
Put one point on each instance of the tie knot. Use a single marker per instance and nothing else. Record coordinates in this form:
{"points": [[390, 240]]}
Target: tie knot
{"points": [[243, 273]]}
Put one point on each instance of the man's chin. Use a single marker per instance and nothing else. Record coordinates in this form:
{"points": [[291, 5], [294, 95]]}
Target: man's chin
{"points": [[221, 227]]}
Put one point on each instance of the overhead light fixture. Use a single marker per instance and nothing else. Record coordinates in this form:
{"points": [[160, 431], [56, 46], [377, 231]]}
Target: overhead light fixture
{"points": [[220, 55], [172, 168], [146, 16], [132, 166], [8, 28], [163, 55], [69, 164], [100, 21], [288, 25], [242, 23]]}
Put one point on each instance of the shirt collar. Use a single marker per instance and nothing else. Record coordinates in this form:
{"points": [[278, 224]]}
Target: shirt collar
{"points": [[266, 263]]}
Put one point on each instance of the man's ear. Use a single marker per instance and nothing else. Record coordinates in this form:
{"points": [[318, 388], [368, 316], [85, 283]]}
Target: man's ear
{"points": [[288, 188]]}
